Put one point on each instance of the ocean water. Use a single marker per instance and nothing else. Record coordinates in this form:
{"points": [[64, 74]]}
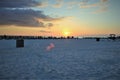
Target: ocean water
{"points": [[66, 60]]}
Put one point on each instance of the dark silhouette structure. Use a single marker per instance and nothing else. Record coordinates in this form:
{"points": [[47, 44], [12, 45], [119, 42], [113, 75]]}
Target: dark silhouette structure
{"points": [[97, 39], [19, 43], [112, 36], [7, 37]]}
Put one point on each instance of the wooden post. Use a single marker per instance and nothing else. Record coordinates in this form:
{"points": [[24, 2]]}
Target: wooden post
{"points": [[19, 43]]}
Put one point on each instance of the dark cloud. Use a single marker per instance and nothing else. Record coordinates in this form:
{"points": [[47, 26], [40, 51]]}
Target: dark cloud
{"points": [[24, 17], [50, 24], [44, 31], [18, 12], [19, 3]]}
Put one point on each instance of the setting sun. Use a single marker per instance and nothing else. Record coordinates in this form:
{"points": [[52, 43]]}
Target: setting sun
{"points": [[66, 33]]}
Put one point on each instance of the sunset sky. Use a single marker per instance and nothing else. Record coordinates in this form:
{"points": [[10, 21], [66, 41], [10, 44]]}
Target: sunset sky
{"points": [[60, 17]]}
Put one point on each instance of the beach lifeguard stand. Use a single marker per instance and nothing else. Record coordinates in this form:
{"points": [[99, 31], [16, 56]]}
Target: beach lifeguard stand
{"points": [[112, 36]]}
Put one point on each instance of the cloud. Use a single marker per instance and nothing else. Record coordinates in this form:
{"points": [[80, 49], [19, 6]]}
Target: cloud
{"points": [[59, 4], [43, 4], [44, 31], [101, 5], [21, 13], [18, 12], [89, 5], [104, 0], [21, 3], [82, 4], [25, 17], [17, 3], [103, 9], [49, 24], [71, 4]]}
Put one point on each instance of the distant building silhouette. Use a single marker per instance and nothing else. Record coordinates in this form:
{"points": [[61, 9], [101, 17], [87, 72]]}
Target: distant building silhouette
{"points": [[97, 39]]}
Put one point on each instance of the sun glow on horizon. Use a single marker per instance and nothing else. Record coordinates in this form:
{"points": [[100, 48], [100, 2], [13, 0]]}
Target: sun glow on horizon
{"points": [[66, 33]]}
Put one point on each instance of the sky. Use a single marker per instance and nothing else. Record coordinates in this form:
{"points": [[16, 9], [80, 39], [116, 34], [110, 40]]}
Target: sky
{"points": [[59, 17]]}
